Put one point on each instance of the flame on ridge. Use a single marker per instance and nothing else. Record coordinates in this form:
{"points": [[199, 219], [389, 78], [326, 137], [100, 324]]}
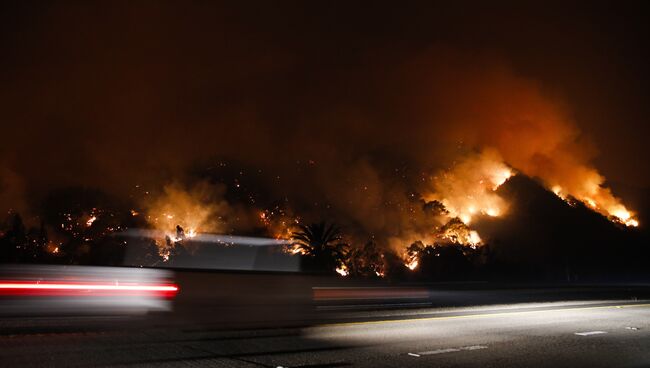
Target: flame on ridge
{"points": [[467, 189]]}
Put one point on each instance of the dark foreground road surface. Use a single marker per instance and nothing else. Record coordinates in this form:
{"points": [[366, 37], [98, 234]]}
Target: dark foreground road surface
{"points": [[595, 333]]}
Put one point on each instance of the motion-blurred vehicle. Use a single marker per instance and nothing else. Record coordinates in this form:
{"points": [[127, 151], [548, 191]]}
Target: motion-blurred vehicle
{"points": [[45, 290]]}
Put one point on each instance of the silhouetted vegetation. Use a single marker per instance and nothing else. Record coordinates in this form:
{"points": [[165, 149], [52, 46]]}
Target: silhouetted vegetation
{"points": [[543, 238], [323, 246], [366, 261]]}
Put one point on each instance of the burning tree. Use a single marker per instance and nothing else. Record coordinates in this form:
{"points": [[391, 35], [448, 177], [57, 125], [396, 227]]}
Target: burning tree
{"points": [[23, 244], [457, 232], [435, 208], [367, 261], [412, 255], [323, 245], [80, 226], [440, 262]]}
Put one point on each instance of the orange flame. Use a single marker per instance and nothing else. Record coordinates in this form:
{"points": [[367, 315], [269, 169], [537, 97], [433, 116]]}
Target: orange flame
{"points": [[467, 190], [342, 270], [600, 199]]}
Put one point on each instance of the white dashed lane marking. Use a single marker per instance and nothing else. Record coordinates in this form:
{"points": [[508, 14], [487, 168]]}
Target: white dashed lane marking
{"points": [[448, 350], [589, 333]]}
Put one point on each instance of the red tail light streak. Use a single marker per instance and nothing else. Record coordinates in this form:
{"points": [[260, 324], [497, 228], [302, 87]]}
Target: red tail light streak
{"points": [[61, 288]]}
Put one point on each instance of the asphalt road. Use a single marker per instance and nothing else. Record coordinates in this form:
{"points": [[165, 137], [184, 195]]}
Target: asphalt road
{"points": [[558, 334]]}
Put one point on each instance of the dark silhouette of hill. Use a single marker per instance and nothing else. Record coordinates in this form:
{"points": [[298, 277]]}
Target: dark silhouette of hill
{"points": [[544, 237]]}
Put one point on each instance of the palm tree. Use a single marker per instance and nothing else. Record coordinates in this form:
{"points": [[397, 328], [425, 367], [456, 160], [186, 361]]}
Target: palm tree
{"points": [[323, 243]]}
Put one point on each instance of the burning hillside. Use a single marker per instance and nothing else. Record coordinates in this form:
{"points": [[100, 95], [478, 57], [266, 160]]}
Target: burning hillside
{"points": [[467, 189], [457, 204], [548, 234], [423, 161], [418, 189], [512, 122]]}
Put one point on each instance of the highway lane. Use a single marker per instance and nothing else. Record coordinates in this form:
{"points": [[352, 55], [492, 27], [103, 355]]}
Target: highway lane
{"points": [[564, 334]]}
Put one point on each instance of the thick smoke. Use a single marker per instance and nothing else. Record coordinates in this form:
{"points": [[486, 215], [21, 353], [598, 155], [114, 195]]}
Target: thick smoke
{"points": [[12, 192], [330, 132], [467, 189], [493, 108], [200, 206]]}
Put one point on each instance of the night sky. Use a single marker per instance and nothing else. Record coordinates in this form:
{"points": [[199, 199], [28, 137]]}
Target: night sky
{"points": [[115, 94]]}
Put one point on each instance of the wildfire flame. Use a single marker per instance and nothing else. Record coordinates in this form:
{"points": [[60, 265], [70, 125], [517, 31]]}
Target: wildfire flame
{"points": [[467, 190], [52, 248], [474, 238], [91, 220], [412, 264], [295, 249], [279, 222], [342, 270], [600, 200], [411, 256], [188, 210]]}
